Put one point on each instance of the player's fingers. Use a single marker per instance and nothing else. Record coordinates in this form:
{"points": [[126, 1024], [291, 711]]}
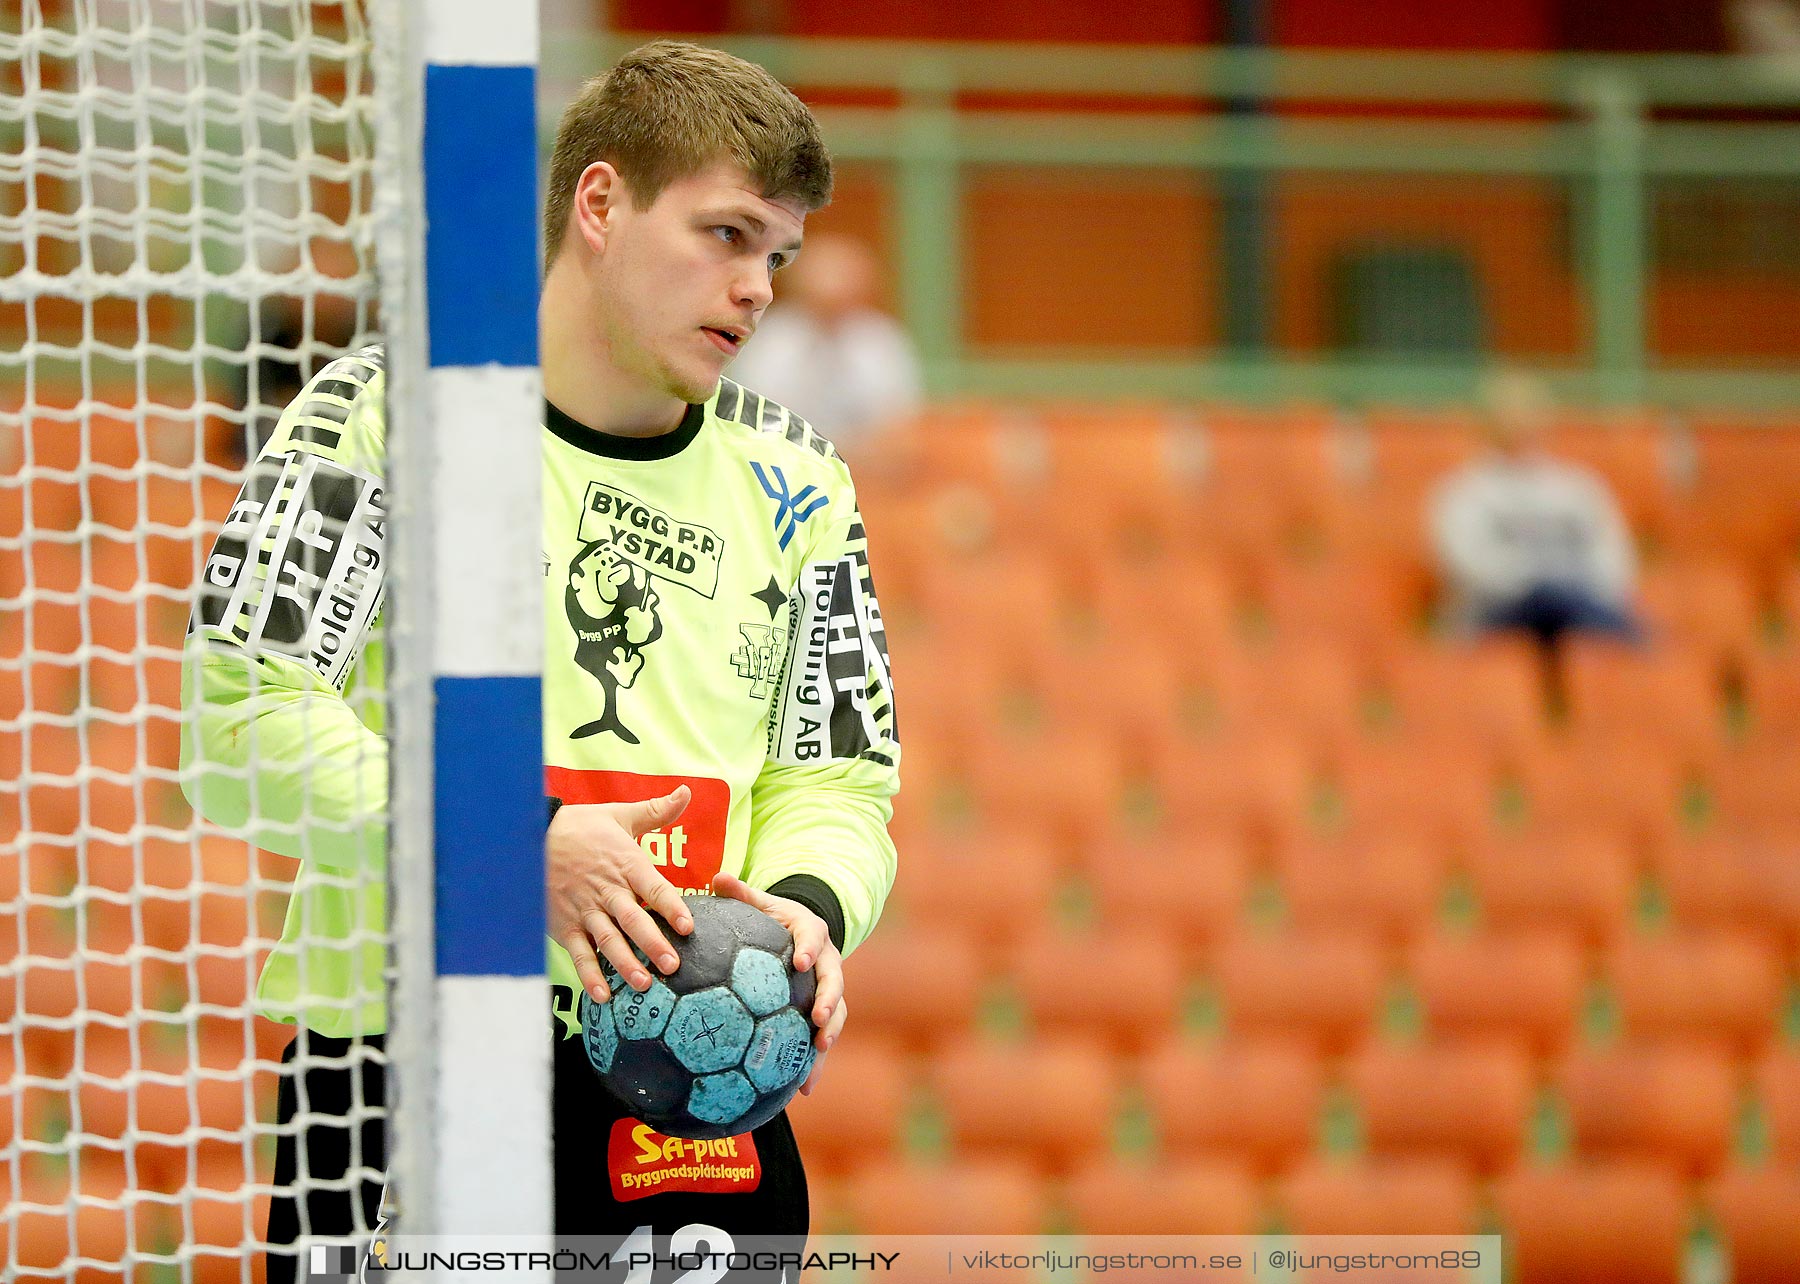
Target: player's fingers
{"points": [[587, 965], [665, 898], [617, 949], [812, 1076], [828, 998], [640, 818], [823, 1044], [643, 931], [811, 942], [738, 890]]}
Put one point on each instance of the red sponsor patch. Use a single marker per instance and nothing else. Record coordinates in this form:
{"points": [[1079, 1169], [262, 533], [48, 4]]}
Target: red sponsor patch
{"points": [[644, 1162], [690, 851]]}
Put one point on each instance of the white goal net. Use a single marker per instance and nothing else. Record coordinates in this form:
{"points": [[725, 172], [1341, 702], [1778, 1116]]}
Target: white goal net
{"points": [[185, 202]]}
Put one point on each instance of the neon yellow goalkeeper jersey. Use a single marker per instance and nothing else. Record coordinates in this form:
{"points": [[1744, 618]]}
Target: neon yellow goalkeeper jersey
{"points": [[709, 620]]}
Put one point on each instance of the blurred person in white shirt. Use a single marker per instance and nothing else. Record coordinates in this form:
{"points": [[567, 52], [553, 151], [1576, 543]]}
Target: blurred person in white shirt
{"points": [[1526, 541], [827, 352]]}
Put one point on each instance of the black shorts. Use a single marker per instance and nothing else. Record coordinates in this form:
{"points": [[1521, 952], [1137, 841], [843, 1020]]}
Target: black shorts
{"points": [[329, 1173]]}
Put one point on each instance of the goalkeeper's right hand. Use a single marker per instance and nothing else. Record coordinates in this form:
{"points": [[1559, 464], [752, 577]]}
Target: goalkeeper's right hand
{"points": [[598, 875]]}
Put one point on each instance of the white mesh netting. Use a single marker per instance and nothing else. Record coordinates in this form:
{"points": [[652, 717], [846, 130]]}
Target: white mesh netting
{"points": [[184, 238]]}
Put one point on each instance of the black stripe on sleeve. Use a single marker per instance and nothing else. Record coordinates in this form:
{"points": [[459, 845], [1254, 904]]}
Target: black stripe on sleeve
{"points": [[318, 434]]}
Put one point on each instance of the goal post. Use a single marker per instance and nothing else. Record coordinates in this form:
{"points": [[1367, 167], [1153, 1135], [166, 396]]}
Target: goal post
{"points": [[202, 206], [470, 1017]]}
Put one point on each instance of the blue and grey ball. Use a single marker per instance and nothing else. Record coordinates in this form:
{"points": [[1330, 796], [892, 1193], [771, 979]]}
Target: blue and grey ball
{"points": [[722, 1045]]}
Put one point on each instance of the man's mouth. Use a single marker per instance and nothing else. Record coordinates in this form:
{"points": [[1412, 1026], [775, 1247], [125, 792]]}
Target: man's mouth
{"points": [[726, 340]]}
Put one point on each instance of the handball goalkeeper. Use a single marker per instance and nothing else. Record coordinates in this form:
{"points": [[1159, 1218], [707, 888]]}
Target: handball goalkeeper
{"points": [[715, 679]]}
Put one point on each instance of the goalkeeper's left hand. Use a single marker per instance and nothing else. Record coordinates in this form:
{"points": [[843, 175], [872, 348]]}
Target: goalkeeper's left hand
{"points": [[812, 949]]}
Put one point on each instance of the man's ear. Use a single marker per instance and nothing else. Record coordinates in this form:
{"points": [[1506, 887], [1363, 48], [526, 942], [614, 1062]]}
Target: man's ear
{"points": [[598, 194]]}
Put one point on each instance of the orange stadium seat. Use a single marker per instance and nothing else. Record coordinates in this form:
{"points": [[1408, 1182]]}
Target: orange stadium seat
{"points": [[226, 1212], [1787, 599], [857, 1110], [1744, 522], [1659, 693], [1772, 691], [968, 879], [1758, 1212], [1305, 684], [1753, 787], [1491, 691], [1185, 887], [1614, 1223], [1019, 586], [980, 444], [1217, 697], [1114, 477], [1753, 450], [1121, 690], [1361, 607], [1570, 878], [1468, 1100], [1705, 608], [33, 1105], [46, 965], [1743, 500], [1442, 790], [50, 761], [1169, 1197], [69, 1210], [1671, 1102], [1383, 1196], [1049, 1101], [1525, 984], [986, 1196], [1286, 448], [914, 982], [1736, 877], [1778, 1085], [1258, 782], [1714, 985], [1260, 475], [1138, 1003], [226, 978], [1323, 986], [1372, 519], [1256, 1099], [1241, 524], [1066, 781], [1181, 602], [143, 1086], [1388, 884], [1627, 781], [1628, 450], [1414, 450]]}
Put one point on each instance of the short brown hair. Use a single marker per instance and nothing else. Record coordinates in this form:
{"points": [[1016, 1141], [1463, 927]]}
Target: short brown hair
{"points": [[668, 110]]}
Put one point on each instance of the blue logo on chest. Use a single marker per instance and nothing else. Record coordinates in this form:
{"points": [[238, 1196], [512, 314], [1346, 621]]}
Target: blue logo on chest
{"points": [[790, 509]]}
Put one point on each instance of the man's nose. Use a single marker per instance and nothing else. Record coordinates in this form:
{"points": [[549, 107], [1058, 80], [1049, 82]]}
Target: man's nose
{"points": [[755, 287]]}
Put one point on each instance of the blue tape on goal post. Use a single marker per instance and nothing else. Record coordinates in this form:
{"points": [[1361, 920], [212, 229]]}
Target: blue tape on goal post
{"points": [[481, 257], [481, 281], [490, 920]]}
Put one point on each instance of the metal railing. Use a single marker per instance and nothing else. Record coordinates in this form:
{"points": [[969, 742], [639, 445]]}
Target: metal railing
{"points": [[1591, 124]]}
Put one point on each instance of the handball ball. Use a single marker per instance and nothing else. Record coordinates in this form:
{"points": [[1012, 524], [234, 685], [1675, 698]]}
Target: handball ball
{"points": [[721, 1045]]}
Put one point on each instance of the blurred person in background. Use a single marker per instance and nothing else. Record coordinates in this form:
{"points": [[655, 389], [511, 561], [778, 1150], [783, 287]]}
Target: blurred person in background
{"points": [[827, 351], [1525, 541]]}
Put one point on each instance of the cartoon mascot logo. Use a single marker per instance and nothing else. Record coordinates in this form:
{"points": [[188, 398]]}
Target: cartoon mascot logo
{"points": [[612, 608]]}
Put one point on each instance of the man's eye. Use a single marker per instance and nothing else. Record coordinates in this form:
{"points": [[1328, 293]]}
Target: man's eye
{"points": [[777, 262], [728, 234]]}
